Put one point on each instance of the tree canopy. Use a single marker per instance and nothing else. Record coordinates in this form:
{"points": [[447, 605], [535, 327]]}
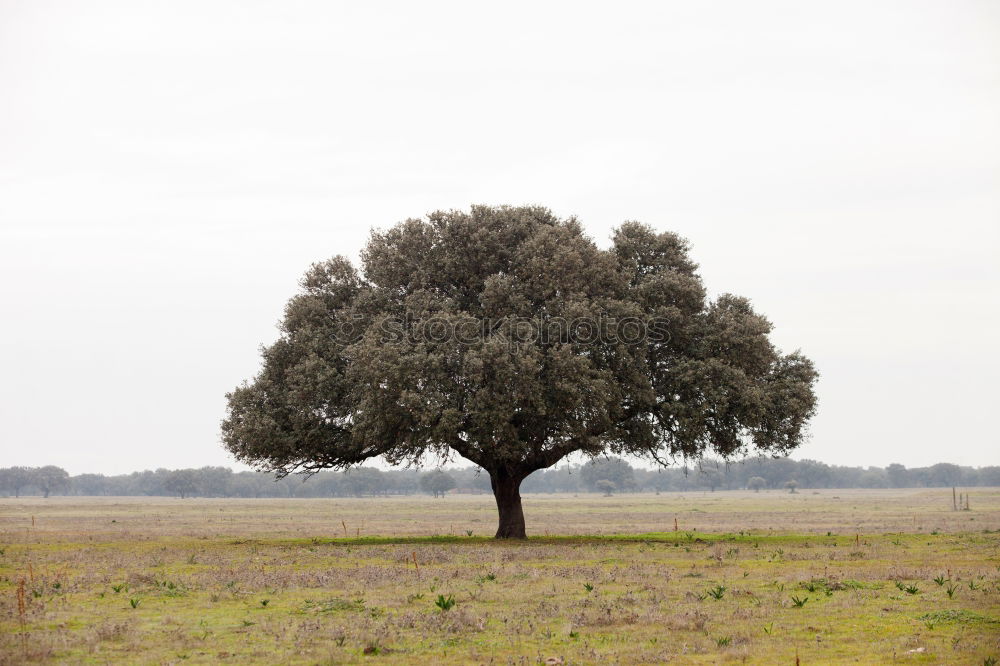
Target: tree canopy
{"points": [[507, 336], [615, 470], [437, 482], [182, 482]]}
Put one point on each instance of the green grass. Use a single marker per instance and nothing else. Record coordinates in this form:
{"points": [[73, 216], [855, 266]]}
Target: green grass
{"points": [[276, 586]]}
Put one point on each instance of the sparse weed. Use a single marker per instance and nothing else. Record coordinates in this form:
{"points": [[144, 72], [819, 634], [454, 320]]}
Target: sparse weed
{"points": [[445, 603], [649, 589]]}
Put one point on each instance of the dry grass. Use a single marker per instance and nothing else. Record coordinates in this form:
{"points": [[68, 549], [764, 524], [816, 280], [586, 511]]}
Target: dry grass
{"points": [[274, 581]]}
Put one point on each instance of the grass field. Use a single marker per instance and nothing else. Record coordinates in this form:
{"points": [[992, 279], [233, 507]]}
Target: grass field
{"points": [[834, 576]]}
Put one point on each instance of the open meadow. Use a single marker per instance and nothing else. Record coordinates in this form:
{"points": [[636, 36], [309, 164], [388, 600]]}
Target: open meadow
{"points": [[829, 576]]}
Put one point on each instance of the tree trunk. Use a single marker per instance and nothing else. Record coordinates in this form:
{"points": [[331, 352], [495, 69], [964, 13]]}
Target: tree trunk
{"points": [[507, 491]]}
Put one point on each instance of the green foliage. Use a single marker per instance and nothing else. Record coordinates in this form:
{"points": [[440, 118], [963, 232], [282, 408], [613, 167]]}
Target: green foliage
{"points": [[717, 592], [445, 603], [134, 602], [460, 333], [336, 604], [359, 481], [606, 487], [182, 482], [607, 474], [799, 603], [647, 590], [960, 616], [437, 482]]}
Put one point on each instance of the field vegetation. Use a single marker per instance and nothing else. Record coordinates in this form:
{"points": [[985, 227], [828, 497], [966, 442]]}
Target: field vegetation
{"points": [[832, 576]]}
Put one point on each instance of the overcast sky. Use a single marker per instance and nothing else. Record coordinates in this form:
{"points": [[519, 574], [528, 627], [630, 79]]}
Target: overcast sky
{"points": [[169, 169]]}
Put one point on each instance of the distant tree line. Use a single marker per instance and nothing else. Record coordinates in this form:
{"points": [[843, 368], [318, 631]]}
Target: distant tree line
{"points": [[605, 475]]}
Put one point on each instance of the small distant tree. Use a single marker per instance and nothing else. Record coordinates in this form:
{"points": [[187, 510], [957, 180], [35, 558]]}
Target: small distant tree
{"points": [[472, 478], [711, 477], [791, 485], [364, 481], [606, 487], [437, 482], [990, 476], [612, 469], [251, 484], [50, 479], [213, 481], [897, 475], [755, 483], [16, 478], [181, 482], [89, 484], [873, 477], [944, 475]]}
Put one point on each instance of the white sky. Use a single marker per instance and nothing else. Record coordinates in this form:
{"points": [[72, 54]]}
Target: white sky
{"points": [[169, 169]]}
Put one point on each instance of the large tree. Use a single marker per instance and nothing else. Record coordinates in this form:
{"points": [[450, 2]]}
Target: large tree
{"points": [[507, 336]]}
